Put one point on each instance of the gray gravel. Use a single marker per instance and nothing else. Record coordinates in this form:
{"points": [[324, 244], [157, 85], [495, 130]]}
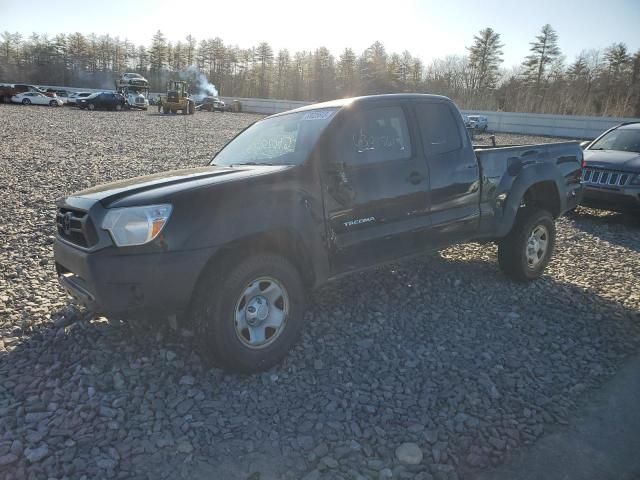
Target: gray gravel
{"points": [[443, 358]]}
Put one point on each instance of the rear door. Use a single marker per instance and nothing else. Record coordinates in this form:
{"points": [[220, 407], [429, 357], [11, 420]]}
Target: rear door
{"points": [[453, 170], [376, 186]]}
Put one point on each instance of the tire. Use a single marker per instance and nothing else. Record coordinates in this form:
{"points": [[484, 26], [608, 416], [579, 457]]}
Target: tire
{"points": [[91, 106], [118, 107], [522, 257], [26, 101], [222, 298], [53, 103], [192, 108]]}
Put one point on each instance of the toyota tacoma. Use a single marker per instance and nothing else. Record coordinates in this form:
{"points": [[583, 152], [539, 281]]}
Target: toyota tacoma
{"points": [[301, 198]]}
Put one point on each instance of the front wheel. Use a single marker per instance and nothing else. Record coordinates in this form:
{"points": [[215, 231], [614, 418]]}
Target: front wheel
{"points": [[26, 101], [53, 103], [526, 251], [247, 318], [91, 106], [118, 107]]}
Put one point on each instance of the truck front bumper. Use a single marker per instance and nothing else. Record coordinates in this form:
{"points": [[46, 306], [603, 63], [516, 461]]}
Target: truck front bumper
{"points": [[115, 284]]}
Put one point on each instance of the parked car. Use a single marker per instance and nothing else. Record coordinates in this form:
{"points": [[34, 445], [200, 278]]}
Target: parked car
{"points": [[479, 122], [74, 98], [132, 79], [103, 101], [300, 198], [612, 170], [470, 126], [212, 104], [7, 91], [36, 98], [61, 94]]}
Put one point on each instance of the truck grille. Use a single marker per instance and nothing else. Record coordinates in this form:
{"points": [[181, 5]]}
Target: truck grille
{"points": [[605, 178], [76, 227]]}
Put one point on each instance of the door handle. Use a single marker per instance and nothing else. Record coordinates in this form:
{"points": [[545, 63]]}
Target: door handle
{"points": [[415, 178]]}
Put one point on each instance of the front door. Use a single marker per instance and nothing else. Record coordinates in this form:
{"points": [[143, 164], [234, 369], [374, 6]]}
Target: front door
{"points": [[375, 187]]}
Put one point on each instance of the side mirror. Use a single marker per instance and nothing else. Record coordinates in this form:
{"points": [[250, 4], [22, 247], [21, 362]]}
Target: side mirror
{"points": [[584, 144]]}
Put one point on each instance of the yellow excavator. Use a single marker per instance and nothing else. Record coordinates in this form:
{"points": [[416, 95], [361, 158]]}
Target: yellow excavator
{"points": [[178, 99]]}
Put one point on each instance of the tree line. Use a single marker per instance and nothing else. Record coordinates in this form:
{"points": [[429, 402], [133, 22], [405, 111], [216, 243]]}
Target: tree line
{"points": [[597, 82]]}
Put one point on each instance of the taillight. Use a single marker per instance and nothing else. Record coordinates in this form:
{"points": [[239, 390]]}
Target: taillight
{"points": [[584, 163]]}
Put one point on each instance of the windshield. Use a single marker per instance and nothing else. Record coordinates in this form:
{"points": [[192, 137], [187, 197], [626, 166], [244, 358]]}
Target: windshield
{"points": [[282, 140], [626, 140]]}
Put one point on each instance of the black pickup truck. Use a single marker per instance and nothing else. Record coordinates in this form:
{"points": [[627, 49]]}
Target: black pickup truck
{"points": [[298, 199]]}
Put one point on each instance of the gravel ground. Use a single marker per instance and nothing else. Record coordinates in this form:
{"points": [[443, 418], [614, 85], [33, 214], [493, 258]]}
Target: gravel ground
{"points": [[434, 369]]}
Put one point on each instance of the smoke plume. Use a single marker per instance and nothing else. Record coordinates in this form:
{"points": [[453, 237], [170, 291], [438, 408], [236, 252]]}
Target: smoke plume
{"points": [[205, 88]]}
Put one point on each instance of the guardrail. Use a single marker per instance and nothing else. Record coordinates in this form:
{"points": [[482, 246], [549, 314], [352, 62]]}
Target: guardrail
{"points": [[568, 126], [266, 106]]}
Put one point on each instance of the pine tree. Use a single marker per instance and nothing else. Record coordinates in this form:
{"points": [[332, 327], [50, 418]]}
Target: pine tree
{"points": [[485, 57], [264, 60], [544, 50], [158, 54], [346, 81], [190, 49], [283, 64]]}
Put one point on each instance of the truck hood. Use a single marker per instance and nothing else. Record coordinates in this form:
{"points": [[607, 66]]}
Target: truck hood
{"points": [[150, 188], [613, 159]]}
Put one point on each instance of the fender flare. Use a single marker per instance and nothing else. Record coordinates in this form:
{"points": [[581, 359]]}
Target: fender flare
{"points": [[529, 176]]}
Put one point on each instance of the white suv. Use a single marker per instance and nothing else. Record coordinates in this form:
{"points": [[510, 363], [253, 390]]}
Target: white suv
{"points": [[479, 122]]}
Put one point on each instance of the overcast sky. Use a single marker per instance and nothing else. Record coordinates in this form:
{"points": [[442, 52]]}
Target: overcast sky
{"points": [[428, 29]]}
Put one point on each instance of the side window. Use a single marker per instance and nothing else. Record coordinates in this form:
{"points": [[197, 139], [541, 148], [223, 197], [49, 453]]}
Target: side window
{"points": [[438, 127], [376, 135]]}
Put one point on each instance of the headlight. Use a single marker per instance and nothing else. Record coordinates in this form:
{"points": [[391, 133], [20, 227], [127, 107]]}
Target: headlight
{"points": [[635, 180], [136, 225]]}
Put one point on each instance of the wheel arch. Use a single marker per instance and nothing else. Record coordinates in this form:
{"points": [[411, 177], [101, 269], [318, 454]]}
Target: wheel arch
{"points": [[544, 195], [281, 241]]}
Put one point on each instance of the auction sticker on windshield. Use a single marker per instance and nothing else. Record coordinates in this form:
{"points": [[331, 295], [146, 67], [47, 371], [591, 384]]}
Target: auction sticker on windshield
{"points": [[318, 115]]}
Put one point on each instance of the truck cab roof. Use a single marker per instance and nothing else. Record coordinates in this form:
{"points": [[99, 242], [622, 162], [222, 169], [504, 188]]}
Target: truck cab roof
{"points": [[366, 99]]}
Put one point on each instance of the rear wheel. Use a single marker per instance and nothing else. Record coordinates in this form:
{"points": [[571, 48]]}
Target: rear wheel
{"points": [[248, 317], [526, 251], [26, 101], [91, 106], [53, 103], [118, 107]]}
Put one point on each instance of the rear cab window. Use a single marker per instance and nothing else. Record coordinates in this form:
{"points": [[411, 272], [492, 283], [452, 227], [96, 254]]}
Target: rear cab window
{"points": [[439, 129]]}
